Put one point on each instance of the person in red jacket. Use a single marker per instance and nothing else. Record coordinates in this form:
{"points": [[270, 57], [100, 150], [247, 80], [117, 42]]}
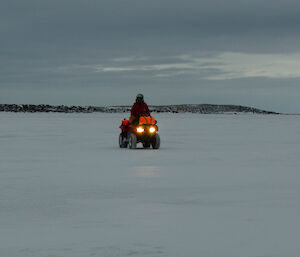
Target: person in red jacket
{"points": [[138, 109]]}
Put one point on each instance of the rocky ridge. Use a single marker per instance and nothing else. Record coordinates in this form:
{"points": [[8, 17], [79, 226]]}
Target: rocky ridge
{"points": [[192, 108]]}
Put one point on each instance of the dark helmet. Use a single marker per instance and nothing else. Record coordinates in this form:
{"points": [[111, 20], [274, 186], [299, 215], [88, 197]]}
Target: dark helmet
{"points": [[139, 98]]}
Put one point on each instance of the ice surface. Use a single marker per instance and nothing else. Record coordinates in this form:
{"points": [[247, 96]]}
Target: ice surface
{"points": [[220, 186]]}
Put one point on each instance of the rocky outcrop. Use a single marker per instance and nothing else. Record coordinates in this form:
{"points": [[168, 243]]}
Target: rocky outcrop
{"points": [[192, 108], [48, 108], [209, 108], [196, 108]]}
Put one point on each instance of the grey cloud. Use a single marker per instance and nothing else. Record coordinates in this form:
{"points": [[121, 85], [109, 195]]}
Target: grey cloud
{"points": [[94, 19]]}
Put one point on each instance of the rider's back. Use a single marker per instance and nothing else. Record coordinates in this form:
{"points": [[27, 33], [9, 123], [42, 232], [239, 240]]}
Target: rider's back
{"points": [[139, 109]]}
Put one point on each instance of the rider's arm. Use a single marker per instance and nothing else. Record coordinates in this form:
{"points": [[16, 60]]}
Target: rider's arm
{"points": [[133, 110], [132, 113]]}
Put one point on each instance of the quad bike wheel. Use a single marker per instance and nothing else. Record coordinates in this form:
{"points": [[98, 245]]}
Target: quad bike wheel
{"points": [[156, 142], [122, 141], [132, 141]]}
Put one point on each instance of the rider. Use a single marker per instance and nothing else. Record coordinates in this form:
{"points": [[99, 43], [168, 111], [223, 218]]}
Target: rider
{"points": [[138, 109]]}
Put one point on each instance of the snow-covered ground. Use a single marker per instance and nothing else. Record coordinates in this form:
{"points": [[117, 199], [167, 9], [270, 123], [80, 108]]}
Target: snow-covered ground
{"points": [[220, 186]]}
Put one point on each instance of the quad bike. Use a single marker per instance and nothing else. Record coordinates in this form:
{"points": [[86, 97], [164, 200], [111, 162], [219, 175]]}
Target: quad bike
{"points": [[145, 132]]}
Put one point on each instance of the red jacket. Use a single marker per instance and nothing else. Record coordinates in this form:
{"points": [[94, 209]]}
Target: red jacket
{"points": [[139, 109]]}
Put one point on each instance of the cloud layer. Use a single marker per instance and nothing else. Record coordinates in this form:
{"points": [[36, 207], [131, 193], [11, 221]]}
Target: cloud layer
{"points": [[227, 65], [103, 52]]}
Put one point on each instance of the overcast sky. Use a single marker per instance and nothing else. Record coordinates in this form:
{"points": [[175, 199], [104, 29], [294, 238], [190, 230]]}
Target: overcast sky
{"points": [[104, 52]]}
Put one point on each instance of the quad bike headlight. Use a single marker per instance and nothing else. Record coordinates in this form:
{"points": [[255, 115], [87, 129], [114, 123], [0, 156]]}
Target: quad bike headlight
{"points": [[152, 129], [140, 129]]}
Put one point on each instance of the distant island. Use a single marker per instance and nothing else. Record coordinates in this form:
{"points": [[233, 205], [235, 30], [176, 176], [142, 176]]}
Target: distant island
{"points": [[190, 108]]}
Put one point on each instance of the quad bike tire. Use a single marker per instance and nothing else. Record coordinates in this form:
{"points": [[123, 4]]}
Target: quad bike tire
{"points": [[122, 143], [132, 141], [156, 142]]}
